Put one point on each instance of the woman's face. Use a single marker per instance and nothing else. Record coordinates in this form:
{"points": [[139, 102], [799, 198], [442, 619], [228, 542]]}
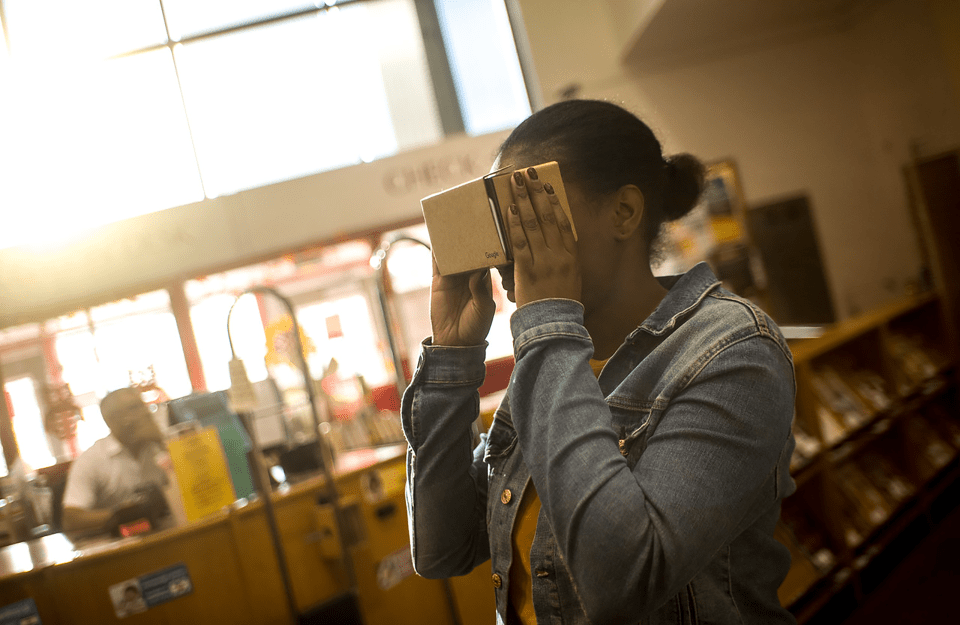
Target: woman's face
{"points": [[596, 250]]}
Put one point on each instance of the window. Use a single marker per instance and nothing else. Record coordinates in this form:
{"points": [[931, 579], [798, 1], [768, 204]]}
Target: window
{"points": [[125, 107], [188, 18], [137, 340], [22, 368], [28, 423], [209, 319], [53, 30], [331, 293], [114, 345], [343, 327], [4, 61], [308, 94], [483, 60], [210, 299], [115, 108], [95, 351], [95, 142]]}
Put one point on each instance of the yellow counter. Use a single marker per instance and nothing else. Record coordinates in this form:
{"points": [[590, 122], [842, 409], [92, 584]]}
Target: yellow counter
{"points": [[233, 569]]}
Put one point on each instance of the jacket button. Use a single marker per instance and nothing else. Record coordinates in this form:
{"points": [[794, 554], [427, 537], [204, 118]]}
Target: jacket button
{"points": [[497, 581], [506, 496]]}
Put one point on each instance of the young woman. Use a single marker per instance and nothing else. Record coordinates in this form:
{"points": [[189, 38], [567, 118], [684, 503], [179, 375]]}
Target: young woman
{"points": [[634, 471]]}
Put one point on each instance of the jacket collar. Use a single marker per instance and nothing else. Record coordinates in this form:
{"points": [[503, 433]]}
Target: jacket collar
{"points": [[686, 292]]}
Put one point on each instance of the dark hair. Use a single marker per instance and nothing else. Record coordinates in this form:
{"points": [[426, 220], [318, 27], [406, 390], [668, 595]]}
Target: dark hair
{"points": [[601, 147]]}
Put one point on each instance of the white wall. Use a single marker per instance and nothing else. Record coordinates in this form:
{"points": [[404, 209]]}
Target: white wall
{"points": [[791, 117], [832, 116]]}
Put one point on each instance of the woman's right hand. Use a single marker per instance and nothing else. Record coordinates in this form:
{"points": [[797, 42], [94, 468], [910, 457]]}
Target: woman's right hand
{"points": [[461, 308]]}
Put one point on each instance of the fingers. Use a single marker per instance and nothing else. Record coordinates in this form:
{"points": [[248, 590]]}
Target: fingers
{"points": [[546, 205], [552, 217], [541, 215], [518, 237], [529, 220], [565, 228], [535, 189], [544, 248], [522, 222]]}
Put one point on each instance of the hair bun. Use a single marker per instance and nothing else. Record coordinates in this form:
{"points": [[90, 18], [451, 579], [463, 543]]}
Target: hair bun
{"points": [[686, 178]]}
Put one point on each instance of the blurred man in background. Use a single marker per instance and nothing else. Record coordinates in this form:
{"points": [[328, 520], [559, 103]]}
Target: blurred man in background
{"points": [[117, 480]]}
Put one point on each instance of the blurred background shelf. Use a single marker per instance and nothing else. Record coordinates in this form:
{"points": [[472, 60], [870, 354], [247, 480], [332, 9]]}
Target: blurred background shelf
{"points": [[878, 455]]}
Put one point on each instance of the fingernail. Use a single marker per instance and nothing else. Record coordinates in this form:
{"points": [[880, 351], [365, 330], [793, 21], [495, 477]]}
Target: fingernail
{"points": [[518, 178], [514, 209], [532, 173], [548, 187]]}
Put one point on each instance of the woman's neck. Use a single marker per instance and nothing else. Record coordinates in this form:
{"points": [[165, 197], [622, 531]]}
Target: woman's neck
{"points": [[629, 302]]}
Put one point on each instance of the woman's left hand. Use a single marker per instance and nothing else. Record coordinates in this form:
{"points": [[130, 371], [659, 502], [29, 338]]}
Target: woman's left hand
{"points": [[544, 249]]}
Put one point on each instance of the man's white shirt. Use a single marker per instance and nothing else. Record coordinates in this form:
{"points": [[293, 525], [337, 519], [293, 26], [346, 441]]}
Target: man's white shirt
{"points": [[107, 474]]}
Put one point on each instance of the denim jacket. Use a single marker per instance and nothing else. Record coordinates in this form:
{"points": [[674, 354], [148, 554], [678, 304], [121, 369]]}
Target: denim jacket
{"points": [[660, 481]]}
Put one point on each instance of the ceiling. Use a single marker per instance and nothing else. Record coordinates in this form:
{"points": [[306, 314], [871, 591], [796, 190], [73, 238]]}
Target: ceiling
{"points": [[690, 31]]}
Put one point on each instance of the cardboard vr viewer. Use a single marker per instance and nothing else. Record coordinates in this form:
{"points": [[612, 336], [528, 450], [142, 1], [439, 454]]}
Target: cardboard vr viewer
{"points": [[468, 223]]}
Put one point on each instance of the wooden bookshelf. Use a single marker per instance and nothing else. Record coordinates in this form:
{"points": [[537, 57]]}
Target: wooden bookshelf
{"points": [[878, 434]]}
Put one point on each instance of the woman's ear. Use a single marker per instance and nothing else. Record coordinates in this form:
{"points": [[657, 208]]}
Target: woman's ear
{"points": [[628, 211]]}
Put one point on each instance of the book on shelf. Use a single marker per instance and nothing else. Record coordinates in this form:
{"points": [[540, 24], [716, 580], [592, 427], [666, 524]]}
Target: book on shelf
{"points": [[947, 424], [871, 387], [886, 476], [806, 448], [840, 409], [853, 532], [810, 539], [915, 358], [832, 431], [870, 504], [934, 452]]}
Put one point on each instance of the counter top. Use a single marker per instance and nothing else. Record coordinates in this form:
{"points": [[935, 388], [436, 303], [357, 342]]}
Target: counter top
{"points": [[36, 554], [57, 549]]}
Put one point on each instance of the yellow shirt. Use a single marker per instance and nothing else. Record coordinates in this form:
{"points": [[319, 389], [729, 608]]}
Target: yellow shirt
{"points": [[524, 529]]}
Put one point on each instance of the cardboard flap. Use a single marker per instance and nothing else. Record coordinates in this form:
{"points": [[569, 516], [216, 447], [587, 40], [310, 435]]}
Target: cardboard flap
{"points": [[468, 223], [463, 234]]}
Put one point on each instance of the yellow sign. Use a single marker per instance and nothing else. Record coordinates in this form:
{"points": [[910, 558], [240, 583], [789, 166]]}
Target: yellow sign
{"points": [[281, 343], [202, 472]]}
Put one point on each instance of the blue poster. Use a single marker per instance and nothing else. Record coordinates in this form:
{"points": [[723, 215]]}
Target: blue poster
{"points": [[142, 593], [20, 613], [165, 585]]}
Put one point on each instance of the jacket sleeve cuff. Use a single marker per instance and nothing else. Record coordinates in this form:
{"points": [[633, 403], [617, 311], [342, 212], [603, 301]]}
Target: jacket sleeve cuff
{"points": [[548, 317], [441, 364]]}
